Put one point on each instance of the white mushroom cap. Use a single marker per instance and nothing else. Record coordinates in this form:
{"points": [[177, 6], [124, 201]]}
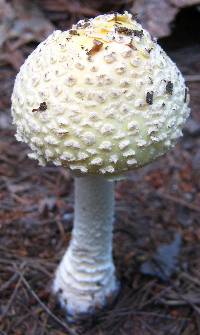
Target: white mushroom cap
{"points": [[101, 98]]}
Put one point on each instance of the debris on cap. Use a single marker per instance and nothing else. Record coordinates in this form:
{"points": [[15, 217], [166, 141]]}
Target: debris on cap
{"points": [[102, 98]]}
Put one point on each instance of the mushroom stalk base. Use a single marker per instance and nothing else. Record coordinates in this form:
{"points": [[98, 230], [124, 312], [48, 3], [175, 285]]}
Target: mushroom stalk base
{"points": [[85, 279]]}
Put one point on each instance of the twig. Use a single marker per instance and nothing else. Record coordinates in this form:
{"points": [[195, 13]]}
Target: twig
{"points": [[23, 318], [44, 307], [9, 282], [187, 276], [172, 302], [183, 300], [178, 201], [145, 324], [13, 296], [134, 312]]}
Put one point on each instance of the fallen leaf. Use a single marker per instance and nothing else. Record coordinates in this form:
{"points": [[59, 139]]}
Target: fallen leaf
{"points": [[164, 262]]}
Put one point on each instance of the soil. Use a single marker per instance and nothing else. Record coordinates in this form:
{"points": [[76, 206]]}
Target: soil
{"points": [[154, 205]]}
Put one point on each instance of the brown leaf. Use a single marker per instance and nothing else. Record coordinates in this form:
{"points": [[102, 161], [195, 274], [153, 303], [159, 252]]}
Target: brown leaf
{"points": [[6, 20], [72, 7], [30, 22], [156, 16]]}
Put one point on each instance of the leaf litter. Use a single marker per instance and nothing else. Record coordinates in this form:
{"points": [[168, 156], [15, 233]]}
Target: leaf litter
{"points": [[157, 207]]}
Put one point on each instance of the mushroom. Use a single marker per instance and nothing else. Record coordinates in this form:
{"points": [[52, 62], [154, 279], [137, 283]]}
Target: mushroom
{"points": [[100, 99]]}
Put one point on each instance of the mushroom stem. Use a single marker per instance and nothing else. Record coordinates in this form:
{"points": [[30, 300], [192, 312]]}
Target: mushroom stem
{"points": [[85, 279]]}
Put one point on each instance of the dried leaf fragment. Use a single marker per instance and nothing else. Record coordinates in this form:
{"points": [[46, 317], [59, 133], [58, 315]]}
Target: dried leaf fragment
{"points": [[97, 45], [41, 108]]}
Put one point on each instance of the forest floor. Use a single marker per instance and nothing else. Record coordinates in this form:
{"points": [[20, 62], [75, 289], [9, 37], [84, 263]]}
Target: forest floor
{"points": [[156, 230]]}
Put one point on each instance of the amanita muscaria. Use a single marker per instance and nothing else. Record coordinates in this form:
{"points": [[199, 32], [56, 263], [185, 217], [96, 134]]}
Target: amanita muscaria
{"points": [[99, 99]]}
